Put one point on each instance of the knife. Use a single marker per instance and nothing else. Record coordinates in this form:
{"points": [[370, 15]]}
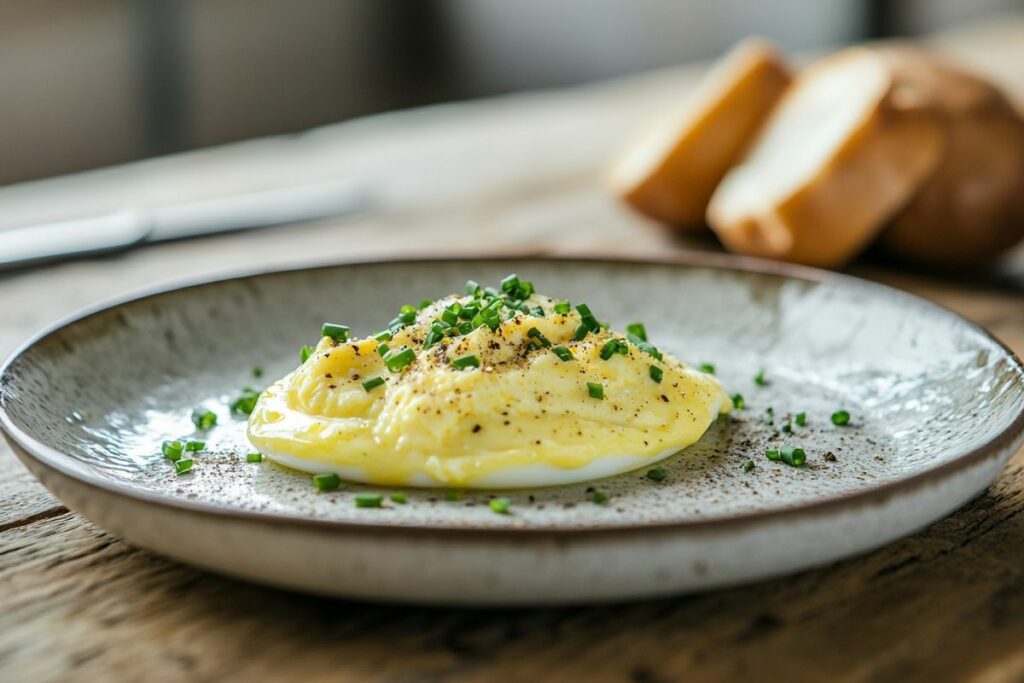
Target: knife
{"points": [[126, 228]]}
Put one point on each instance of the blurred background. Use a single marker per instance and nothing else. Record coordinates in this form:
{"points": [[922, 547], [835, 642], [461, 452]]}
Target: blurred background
{"points": [[90, 83]]}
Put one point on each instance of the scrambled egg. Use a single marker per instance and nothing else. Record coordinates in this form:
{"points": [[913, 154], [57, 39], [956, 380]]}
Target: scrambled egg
{"points": [[533, 393]]}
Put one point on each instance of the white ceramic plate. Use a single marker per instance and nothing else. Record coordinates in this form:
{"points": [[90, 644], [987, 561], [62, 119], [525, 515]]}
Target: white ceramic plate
{"points": [[937, 406]]}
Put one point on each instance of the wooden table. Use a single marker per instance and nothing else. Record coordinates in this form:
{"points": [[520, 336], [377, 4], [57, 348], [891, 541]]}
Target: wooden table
{"points": [[79, 604]]}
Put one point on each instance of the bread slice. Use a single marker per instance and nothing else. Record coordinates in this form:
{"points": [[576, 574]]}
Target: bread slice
{"points": [[845, 149], [671, 169], [971, 209]]}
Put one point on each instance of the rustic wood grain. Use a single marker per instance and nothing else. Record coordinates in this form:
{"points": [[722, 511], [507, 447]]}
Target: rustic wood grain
{"points": [[79, 604]]}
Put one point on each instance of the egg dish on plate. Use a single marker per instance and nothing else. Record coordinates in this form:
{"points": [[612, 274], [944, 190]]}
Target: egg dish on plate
{"points": [[493, 388]]}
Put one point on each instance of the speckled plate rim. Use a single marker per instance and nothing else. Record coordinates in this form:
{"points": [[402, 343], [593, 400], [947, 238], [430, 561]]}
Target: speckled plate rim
{"points": [[50, 458]]}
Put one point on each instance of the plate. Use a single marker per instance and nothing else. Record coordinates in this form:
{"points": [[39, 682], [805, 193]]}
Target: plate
{"points": [[936, 405]]}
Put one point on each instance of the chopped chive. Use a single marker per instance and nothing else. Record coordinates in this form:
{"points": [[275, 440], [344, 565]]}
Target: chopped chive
{"points": [[657, 474], [537, 311], [581, 332], [609, 349], [737, 401], [840, 418], [369, 500], [383, 336], [257, 372], [326, 482], [304, 353], [563, 307], [708, 368], [491, 292], [435, 335], [407, 314], [800, 419], [509, 283], [772, 454], [452, 496], [449, 316], [373, 383], [398, 497], [172, 449], [759, 378], [183, 466], [383, 349], [338, 333], [465, 327], [563, 353], [466, 362], [398, 360], [500, 506], [656, 373], [787, 428], [595, 390], [194, 446], [637, 330], [644, 346], [468, 311], [204, 419], [245, 403], [599, 496], [426, 303], [792, 455], [534, 333], [472, 287], [747, 465], [588, 319], [254, 457], [395, 325]]}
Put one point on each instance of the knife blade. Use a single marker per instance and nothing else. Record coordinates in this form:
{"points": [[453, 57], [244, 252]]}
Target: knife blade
{"points": [[124, 229]]}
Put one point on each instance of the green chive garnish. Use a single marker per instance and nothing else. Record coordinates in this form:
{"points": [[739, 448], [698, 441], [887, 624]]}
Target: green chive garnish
{"points": [[610, 348], [450, 316], [587, 317], [397, 360], [657, 474], [800, 419], [369, 500], [304, 353], [644, 346], [452, 496], [466, 362], [637, 330], [407, 314], [500, 506], [563, 307], [747, 465], [738, 402], [383, 336], [563, 353], [472, 288], [183, 466], [581, 332], [759, 378], [257, 372], [509, 283], [656, 373], [326, 482], [595, 390], [534, 333], [599, 497], [254, 457], [398, 497], [772, 454], [172, 449], [194, 446], [338, 333], [245, 403], [793, 456], [840, 418], [373, 383], [383, 349], [426, 303], [787, 428], [204, 419], [708, 368]]}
